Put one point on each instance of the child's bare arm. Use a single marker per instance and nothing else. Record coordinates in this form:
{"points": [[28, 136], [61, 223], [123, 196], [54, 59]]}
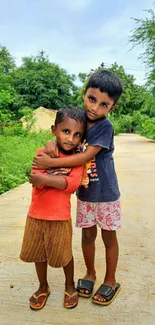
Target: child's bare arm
{"points": [[43, 161], [51, 149], [57, 181]]}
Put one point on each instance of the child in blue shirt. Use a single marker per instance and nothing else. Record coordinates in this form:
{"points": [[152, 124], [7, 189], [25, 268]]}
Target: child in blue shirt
{"points": [[98, 196]]}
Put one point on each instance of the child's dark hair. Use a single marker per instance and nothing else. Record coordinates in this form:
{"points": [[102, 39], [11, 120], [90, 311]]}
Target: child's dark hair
{"points": [[72, 112], [107, 82]]}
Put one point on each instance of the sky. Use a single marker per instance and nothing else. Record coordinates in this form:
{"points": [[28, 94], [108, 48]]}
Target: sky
{"points": [[76, 34]]}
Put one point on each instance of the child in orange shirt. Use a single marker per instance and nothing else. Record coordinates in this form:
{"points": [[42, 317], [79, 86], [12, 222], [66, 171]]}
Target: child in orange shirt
{"points": [[48, 231]]}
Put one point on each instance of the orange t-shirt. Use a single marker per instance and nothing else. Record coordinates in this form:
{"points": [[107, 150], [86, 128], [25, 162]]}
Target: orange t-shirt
{"points": [[49, 203]]}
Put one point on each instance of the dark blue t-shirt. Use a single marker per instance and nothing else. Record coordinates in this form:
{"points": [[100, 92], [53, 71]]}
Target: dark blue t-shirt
{"points": [[100, 180]]}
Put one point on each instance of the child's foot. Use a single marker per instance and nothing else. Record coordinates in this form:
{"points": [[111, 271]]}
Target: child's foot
{"points": [[38, 299], [90, 277], [70, 297], [106, 293]]}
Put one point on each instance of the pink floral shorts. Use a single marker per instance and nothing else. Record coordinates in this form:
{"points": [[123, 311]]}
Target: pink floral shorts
{"points": [[105, 214]]}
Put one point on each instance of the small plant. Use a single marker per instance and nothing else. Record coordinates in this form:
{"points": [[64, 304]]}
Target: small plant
{"points": [[16, 155], [28, 118]]}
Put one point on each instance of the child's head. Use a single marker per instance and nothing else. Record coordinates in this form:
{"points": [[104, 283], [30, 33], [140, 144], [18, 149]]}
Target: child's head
{"points": [[69, 127], [101, 94]]}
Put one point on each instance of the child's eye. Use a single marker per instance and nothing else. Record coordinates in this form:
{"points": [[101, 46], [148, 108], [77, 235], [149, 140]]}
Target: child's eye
{"points": [[92, 99], [66, 131], [104, 105], [77, 134]]}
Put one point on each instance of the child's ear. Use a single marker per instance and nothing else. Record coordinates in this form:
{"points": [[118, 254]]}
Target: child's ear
{"points": [[53, 129], [112, 108]]}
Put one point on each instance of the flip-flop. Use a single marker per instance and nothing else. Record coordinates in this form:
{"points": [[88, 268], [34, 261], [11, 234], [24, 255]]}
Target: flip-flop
{"points": [[37, 297], [85, 285], [70, 296], [108, 293]]}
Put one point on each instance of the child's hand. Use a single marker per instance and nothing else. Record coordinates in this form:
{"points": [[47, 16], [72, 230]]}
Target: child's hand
{"points": [[37, 179], [81, 147], [51, 149], [41, 161]]}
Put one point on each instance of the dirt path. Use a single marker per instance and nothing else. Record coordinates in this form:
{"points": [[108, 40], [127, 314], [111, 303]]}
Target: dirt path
{"points": [[135, 163]]}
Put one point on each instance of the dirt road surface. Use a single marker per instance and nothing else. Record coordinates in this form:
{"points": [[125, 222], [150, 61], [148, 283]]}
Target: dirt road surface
{"points": [[135, 164]]}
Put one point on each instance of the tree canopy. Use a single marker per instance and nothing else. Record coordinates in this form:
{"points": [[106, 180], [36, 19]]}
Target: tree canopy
{"points": [[144, 34], [39, 82]]}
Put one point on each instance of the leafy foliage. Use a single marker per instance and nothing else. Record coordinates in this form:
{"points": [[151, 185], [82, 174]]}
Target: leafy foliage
{"points": [[7, 63], [144, 34], [41, 83], [16, 154]]}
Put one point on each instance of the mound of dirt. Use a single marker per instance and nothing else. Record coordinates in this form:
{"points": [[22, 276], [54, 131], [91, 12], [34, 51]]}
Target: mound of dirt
{"points": [[44, 118]]}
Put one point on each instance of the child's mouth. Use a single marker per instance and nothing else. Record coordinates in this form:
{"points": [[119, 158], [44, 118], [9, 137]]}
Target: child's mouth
{"points": [[92, 114], [69, 144]]}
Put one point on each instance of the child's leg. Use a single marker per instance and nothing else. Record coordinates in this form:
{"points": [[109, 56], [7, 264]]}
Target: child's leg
{"points": [[109, 219], [41, 269], [33, 249], [86, 219], [111, 251], [88, 249], [69, 284]]}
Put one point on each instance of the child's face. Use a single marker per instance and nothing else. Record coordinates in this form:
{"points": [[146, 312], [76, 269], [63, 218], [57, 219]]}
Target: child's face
{"points": [[97, 104], [68, 133]]}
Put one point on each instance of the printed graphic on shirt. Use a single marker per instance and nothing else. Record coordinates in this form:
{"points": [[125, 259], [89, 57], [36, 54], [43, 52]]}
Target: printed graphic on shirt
{"points": [[58, 171], [90, 170]]}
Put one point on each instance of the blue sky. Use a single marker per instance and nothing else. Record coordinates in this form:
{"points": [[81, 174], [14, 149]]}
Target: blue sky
{"points": [[76, 34]]}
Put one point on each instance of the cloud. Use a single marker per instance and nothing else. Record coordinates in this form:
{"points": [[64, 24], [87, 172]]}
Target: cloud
{"points": [[78, 34]]}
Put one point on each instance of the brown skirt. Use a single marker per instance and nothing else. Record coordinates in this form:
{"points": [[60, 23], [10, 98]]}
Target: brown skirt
{"points": [[49, 241]]}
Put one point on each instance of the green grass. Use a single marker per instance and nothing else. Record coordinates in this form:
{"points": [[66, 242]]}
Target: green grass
{"points": [[16, 155]]}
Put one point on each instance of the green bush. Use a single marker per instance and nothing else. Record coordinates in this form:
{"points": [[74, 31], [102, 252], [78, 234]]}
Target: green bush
{"points": [[116, 125], [148, 128], [122, 124], [16, 155], [135, 123], [13, 130]]}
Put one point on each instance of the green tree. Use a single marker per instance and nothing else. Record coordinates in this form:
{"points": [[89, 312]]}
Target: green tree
{"points": [[39, 82], [7, 63], [7, 91], [144, 34], [148, 106]]}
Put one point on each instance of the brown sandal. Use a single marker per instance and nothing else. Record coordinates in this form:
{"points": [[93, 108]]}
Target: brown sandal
{"points": [[32, 306], [70, 296]]}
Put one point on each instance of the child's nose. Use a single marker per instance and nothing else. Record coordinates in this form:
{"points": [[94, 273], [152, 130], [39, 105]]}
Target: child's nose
{"points": [[70, 138], [95, 108]]}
